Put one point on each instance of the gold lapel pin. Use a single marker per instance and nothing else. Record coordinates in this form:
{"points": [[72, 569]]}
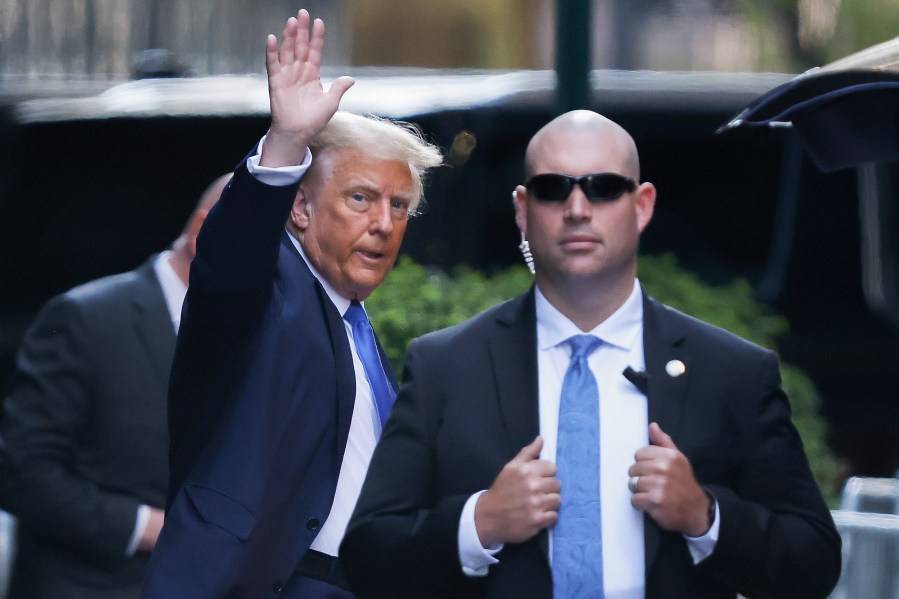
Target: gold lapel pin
{"points": [[675, 368]]}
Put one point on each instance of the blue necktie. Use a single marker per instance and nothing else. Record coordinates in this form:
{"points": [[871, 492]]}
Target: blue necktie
{"points": [[577, 536], [364, 337]]}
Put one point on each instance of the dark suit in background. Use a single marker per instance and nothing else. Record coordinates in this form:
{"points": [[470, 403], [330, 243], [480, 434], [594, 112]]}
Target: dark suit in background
{"points": [[84, 437]]}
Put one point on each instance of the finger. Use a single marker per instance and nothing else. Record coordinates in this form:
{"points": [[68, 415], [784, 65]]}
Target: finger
{"points": [[547, 485], [288, 41], [638, 469], [547, 519], [552, 502], [530, 451], [649, 453], [339, 87], [659, 437], [271, 54], [543, 468], [315, 44], [302, 42], [641, 501]]}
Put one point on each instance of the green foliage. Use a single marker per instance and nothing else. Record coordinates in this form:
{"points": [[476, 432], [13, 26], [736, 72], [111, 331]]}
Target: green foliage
{"points": [[415, 300]]}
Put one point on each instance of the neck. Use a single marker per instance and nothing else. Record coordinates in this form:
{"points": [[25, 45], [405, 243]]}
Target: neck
{"points": [[584, 303]]}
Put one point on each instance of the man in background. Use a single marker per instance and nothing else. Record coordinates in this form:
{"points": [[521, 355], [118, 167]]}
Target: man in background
{"points": [[83, 437], [582, 440]]}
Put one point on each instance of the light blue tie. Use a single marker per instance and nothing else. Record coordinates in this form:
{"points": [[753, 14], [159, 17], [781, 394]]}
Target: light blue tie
{"points": [[364, 337], [577, 536]]}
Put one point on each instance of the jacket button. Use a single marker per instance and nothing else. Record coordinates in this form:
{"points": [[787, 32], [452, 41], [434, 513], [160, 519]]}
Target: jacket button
{"points": [[313, 524], [277, 587]]}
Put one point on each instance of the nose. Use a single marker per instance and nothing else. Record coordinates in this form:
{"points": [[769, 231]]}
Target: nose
{"points": [[577, 206], [380, 220]]}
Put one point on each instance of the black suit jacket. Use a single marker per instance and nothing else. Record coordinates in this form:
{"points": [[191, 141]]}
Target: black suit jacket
{"points": [[260, 405], [469, 403], [83, 436]]}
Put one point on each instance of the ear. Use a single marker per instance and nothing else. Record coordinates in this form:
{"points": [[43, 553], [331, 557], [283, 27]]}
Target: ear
{"points": [[300, 212], [519, 200], [645, 204]]}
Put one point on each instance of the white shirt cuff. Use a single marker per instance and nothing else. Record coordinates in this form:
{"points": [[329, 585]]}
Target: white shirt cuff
{"points": [[702, 547], [475, 559], [280, 176], [140, 525]]}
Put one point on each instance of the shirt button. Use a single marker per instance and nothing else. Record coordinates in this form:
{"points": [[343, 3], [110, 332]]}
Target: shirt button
{"points": [[277, 587], [313, 524]]}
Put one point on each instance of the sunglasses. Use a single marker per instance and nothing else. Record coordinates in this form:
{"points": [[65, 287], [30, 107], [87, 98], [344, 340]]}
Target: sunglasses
{"points": [[598, 187]]}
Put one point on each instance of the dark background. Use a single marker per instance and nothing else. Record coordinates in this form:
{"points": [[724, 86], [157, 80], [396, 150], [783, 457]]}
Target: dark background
{"points": [[85, 198]]}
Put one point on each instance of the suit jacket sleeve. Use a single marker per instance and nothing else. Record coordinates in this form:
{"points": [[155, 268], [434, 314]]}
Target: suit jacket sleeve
{"points": [[230, 283], [777, 537], [47, 416], [402, 539]]}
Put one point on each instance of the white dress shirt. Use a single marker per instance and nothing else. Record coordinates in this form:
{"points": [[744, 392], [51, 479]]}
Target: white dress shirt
{"points": [[623, 430], [365, 428]]}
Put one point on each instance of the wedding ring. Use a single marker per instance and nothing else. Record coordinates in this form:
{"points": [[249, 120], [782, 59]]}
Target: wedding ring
{"points": [[632, 483]]}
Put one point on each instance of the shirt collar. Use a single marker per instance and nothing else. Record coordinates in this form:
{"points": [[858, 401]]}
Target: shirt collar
{"points": [[341, 303], [173, 288], [621, 329]]}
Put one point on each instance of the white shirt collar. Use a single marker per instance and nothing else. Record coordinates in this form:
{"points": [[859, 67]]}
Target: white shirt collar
{"points": [[173, 288], [338, 300], [620, 329]]}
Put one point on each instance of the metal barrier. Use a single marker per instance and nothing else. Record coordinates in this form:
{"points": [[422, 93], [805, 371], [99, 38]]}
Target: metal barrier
{"points": [[869, 526], [7, 550], [870, 555]]}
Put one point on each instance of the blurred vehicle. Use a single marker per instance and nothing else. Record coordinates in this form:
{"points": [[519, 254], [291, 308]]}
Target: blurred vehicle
{"points": [[131, 158]]}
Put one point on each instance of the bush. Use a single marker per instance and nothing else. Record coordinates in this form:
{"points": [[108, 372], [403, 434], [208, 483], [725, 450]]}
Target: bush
{"points": [[415, 300]]}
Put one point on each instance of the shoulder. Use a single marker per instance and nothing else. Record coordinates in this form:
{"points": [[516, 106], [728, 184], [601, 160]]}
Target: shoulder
{"points": [[114, 286], [480, 327], [104, 296], [682, 328]]}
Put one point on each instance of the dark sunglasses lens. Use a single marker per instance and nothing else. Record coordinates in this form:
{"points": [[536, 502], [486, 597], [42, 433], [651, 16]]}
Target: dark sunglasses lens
{"points": [[549, 187], [607, 186]]}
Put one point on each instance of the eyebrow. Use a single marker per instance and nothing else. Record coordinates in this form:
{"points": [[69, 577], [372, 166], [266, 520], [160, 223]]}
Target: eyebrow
{"points": [[369, 187]]}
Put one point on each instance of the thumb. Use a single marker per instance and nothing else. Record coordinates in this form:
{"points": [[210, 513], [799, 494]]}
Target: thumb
{"points": [[339, 87], [659, 437], [531, 451]]}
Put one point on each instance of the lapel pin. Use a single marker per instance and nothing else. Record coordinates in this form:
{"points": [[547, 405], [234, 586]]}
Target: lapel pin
{"points": [[675, 368]]}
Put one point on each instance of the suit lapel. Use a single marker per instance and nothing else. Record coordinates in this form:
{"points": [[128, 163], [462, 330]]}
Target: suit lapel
{"points": [[343, 358], [665, 392], [513, 355], [152, 322]]}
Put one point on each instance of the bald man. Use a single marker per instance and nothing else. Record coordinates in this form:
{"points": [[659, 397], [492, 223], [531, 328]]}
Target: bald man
{"points": [[83, 432], [582, 440]]}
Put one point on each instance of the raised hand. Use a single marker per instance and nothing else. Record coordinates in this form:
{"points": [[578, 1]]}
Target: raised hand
{"points": [[667, 489], [523, 500], [299, 104]]}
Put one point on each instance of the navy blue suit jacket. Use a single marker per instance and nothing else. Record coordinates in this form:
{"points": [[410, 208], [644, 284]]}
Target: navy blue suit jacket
{"points": [[261, 399]]}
